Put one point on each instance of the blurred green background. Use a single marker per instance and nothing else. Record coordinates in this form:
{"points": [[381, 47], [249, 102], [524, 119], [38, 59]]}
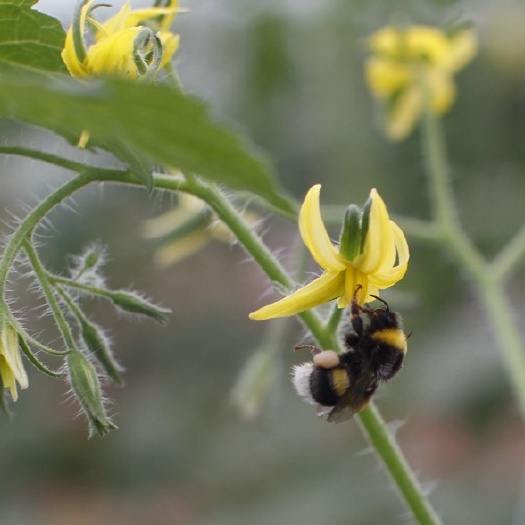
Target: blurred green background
{"points": [[289, 75]]}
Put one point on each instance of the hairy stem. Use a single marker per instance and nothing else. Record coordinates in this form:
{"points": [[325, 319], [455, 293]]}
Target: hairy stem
{"points": [[488, 283]]}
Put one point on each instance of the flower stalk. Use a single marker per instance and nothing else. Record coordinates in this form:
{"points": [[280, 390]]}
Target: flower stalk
{"points": [[488, 283]]}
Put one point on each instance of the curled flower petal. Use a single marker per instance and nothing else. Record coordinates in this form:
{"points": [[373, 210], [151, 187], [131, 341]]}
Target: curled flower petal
{"points": [[390, 275], [463, 48], [322, 290], [314, 233], [378, 245], [404, 113]]}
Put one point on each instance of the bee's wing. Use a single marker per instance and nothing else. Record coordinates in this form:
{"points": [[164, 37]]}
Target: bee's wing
{"points": [[341, 412], [355, 399]]}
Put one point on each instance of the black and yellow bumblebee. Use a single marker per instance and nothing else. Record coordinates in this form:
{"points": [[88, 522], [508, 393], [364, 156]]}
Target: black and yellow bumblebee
{"points": [[343, 384]]}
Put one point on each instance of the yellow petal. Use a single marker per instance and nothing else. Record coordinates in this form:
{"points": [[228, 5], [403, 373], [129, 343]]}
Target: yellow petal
{"points": [[427, 43], [170, 44], [404, 113], [387, 42], [322, 290], [173, 7], [127, 18], [354, 278], [441, 89], [114, 55], [463, 46], [314, 233], [388, 276], [115, 23], [385, 77], [379, 243], [181, 249], [11, 366]]}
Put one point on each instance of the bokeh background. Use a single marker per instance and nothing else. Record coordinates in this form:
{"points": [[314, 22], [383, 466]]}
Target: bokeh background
{"points": [[289, 75]]}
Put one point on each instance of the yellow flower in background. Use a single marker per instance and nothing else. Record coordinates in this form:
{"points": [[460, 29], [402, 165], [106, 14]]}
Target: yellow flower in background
{"points": [[11, 367], [187, 229], [373, 254], [132, 44], [406, 64]]}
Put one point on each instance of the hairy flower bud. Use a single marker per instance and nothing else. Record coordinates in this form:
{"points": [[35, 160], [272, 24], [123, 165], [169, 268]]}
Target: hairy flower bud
{"points": [[86, 387]]}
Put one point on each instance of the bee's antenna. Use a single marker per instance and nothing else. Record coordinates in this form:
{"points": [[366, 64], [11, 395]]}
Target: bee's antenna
{"points": [[377, 298]]}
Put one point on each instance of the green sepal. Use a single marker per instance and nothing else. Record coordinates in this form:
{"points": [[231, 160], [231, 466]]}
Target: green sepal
{"points": [[77, 29], [350, 239], [147, 53]]}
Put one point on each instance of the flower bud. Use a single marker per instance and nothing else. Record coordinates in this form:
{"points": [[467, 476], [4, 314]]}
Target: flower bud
{"points": [[11, 367], [86, 387], [133, 303], [98, 345]]}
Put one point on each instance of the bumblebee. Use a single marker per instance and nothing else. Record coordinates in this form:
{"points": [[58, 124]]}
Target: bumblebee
{"points": [[343, 384]]}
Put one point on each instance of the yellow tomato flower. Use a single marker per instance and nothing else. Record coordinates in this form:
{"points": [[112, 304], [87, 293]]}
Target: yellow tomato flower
{"points": [[375, 257], [408, 64], [132, 44], [11, 367], [187, 229]]}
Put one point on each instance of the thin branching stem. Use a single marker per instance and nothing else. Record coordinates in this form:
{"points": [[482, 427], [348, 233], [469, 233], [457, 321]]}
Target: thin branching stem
{"points": [[486, 278], [49, 294]]}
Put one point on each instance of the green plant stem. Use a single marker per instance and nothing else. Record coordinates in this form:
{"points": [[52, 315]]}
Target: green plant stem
{"points": [[30, 222], [510, 256], [488, 283], [49, 294], [405, 482], [373, 424]]}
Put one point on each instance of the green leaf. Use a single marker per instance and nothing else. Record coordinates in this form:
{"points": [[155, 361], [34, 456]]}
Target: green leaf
{"points": [[158, 122], [29, 38]]}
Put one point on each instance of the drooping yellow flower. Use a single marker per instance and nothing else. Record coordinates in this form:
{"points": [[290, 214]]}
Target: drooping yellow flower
{"points": [[373, 255], [410, 64], [132, 44], [11, 367], [187, 229]]}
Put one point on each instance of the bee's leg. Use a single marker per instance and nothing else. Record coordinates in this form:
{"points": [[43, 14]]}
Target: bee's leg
{"points": [[351, 340], [313, 349], [355, 318]]}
